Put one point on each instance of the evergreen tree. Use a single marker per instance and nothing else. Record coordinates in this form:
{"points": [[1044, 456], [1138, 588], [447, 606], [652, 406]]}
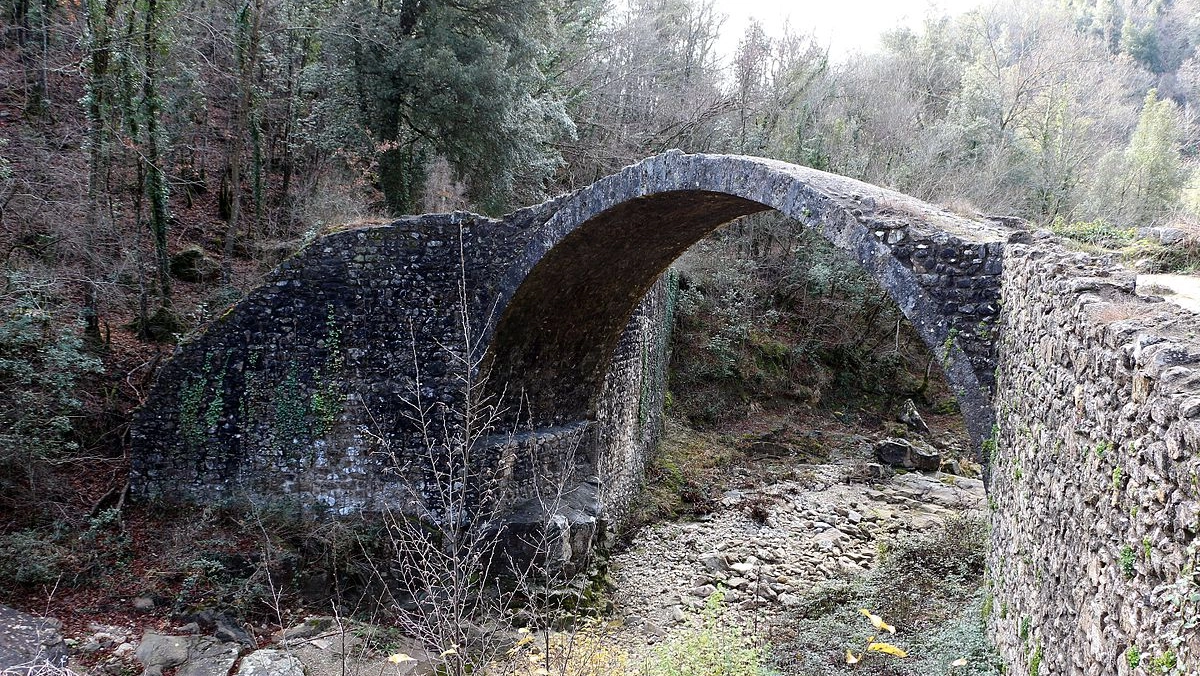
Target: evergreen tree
{"points": [[456, 79]]}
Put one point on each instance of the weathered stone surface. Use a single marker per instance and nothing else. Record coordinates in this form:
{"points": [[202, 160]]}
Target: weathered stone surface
{"points": [[1093, 479], [28, 644], [193, 265], [309, 628], [158, 651], [925, 458], [270, 663], [208, 657], [1162, 235], [188, 655]]}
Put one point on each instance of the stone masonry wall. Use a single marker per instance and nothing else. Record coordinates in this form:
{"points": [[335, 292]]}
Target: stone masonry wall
{"points": [[629, 417], [306, 390], [1094, 475]]}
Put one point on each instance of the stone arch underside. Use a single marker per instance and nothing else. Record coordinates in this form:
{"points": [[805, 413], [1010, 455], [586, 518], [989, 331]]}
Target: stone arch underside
{"points": [[577, 283]]}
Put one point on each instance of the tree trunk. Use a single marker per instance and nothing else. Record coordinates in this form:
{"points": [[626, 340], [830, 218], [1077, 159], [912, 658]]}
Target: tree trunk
{"points": [[99, 26], [156, 183], [248, 63]]}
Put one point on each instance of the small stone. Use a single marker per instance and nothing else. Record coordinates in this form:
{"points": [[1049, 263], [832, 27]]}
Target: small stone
{"points": [[309, 628], [714, 562], [789, 600], [143, 603]]}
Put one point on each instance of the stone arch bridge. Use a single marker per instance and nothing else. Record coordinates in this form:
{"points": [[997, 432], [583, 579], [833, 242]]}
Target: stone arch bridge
{"points": [[357, 366], [350, 360]]}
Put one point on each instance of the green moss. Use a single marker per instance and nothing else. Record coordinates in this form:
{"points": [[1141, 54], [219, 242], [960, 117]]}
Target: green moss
{"points": [[201, 404], [1035, 661], [1133, 656], [290, 411], [1117, 475], [326, 404], [991, 444], [1094, 232], [948, 348], [1023, 629], [1125, 561], [1165, 662]]}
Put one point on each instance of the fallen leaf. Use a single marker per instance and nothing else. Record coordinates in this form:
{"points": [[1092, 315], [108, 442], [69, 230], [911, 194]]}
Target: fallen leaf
{"points": [[851, 658], [886, 648], [400, 657], [877, 621]]}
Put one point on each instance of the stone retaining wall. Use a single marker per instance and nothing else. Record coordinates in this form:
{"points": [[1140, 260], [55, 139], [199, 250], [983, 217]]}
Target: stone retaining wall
{"points": [[1094, 475]]}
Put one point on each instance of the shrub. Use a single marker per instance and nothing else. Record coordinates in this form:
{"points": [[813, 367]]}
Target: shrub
{"points": [[1096, 232], [40, 364], [30, 558], [714, 648], [929, 586]]}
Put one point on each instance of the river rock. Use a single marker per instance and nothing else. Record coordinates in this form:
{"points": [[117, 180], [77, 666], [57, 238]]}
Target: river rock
{"points": [[270, 663], [28, 644], [925, 458], [910, 416], [895, 451]]}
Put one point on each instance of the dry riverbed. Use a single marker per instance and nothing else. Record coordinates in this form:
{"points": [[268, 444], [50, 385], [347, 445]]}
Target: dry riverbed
{"points": [[791, 531]]}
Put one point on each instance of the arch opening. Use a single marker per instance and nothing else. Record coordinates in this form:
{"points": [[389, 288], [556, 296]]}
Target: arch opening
{"points": [[609, 243]]}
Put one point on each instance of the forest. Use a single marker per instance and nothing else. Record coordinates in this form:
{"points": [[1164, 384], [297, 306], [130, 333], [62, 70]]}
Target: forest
{"points": [[158, 157]]}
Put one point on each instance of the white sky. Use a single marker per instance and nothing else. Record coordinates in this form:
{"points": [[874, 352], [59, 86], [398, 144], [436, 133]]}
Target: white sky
{"points": [[846, 26]]}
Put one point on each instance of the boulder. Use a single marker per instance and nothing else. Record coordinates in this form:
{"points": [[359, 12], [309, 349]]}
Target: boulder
{"points": [[209, 657], [1162, 234], [910, 416], [925, 458], [310, 627], [29, 644], [158, 651], [188, 655], [193, 265], [894, 451], [562, 534]]}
